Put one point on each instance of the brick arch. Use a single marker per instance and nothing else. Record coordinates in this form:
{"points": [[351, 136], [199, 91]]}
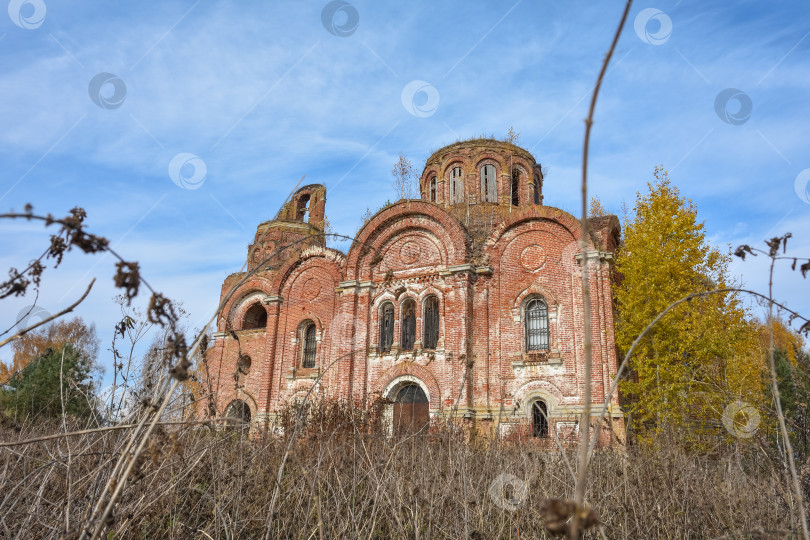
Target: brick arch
{"points": [[533, 213], [414, 370], [489, 157], [333, 259], [532, 290], [427, 174], [234, 304], [393, 219], [532, 390]]}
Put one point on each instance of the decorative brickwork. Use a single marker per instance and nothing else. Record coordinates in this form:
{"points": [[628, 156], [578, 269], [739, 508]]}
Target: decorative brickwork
{"points": [[480, 257]]}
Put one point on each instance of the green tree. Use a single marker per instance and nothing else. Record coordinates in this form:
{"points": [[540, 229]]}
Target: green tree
{"points": [[60, 379], [703, 355]]}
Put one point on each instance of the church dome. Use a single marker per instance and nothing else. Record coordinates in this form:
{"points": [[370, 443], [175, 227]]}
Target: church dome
{"points": [[482, 172]]}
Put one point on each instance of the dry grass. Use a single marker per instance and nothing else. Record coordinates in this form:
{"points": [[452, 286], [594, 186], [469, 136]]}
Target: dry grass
{"points": [[345, 479]]}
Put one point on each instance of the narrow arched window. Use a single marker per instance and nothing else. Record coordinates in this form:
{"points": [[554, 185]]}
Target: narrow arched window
{"points": [[255, 317], [432, 189], [536, 191], [408, 325], [386, 326], [310, 346], [430, 335], [515, 187], [456, 186], [302, 210], [539, 419], [536, 323], [489, 186]]}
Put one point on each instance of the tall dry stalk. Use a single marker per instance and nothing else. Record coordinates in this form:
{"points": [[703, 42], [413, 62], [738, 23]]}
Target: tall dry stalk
{"points": [[585, 422]]}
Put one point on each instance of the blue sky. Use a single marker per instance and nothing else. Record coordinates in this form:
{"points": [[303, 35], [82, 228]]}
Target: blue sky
{"points": [[263, 93]]}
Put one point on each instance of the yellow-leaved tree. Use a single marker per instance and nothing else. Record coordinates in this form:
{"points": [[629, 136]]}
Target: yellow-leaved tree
{"points": [[703, 355]]}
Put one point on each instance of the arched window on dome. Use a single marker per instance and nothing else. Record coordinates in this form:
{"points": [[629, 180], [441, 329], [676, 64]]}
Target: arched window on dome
{"points": [[432, 193], [515, 187], [489, 184], [535, 323], [456, 186], [386, 326], [408, 324]]}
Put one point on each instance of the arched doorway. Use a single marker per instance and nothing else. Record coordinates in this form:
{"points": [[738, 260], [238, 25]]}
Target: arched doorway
{"points": [[411, 414], [239, 411]]}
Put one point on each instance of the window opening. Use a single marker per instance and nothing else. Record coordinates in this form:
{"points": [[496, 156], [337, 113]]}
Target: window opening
{"points": [[386, 327], [539, 419], [431, 331], [408, 325], [536, 325], [310, 347]]}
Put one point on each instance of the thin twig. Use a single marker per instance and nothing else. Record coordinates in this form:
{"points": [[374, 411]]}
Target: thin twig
{"points": [[65, 311]]}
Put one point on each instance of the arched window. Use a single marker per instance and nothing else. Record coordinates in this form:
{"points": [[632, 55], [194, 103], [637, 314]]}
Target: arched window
{"points": [[430, 335], [536, 324], [539, 419], [303, 208], [255, 317], [408, 324], [432, 190], [456, 186], [536, 191], [386, 326], [489, 185], [310, 345], [515, 187], [239, 411]]}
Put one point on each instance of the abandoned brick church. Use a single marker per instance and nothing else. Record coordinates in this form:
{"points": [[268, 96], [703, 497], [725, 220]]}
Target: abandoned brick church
{"points": [[466, 302]]}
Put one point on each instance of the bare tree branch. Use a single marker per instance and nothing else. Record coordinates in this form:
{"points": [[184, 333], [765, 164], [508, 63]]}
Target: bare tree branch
{"points": [[65, 311]]}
